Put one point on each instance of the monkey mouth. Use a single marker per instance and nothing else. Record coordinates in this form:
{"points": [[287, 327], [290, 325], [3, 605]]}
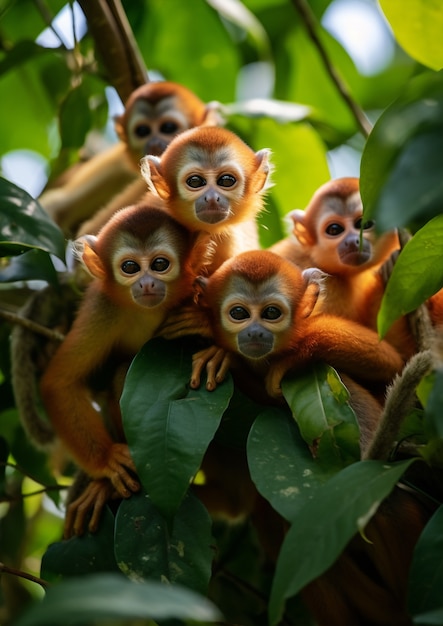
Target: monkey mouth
{"points": [[212, 215], [256, 349], [149, 299], [357, 257]]}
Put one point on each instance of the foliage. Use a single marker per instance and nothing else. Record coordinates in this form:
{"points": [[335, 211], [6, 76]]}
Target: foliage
{"points": [[52, 100]]}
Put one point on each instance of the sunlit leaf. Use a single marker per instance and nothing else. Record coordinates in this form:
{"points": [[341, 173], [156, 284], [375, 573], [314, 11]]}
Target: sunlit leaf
{"points": [[424, 589], [280, 462], [417, 27], [24, 224], [320, 407], [113, 597], [402, 161], [344, 502], [145, 548], [168, 425], [417, 274]]}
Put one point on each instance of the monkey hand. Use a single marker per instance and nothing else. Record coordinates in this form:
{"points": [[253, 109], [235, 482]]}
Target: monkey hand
{"points": [[89, 504], [116, 469], [217, 362], [188, 320]]}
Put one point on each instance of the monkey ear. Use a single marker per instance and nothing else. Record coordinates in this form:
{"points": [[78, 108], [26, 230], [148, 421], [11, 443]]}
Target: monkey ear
{"points": [[212, 115], [200, 284], [314, 279], [151, 171], [262, 177], [120, 127], [299, 228], [85, 248]]}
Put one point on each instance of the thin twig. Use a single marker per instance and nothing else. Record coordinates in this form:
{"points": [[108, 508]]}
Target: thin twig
{"points": [[25, 575], [309, 21], [38, 329]]}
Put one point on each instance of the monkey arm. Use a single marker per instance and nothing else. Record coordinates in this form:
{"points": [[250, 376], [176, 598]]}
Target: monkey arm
{"points": [[347, 346], [66, 396]]}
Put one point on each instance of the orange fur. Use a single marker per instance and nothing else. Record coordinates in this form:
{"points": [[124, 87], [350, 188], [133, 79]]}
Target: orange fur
{"points": [[260, 307], [212, 182], [142, 267], [327, 235]]}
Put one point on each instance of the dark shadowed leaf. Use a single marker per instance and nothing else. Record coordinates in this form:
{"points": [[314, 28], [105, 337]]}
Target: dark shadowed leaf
{"points": [[280, 462], [145, 549], [35, 264], [24, 224], [347, 501]]}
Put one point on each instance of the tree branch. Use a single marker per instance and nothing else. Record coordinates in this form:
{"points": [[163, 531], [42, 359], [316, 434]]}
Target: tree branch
{"points": [[25, 575], [115, 44], [311, 26], [32, 326]]}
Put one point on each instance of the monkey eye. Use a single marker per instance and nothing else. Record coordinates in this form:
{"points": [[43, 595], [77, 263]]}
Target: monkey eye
{"points": [[168, 128], [130, 267], [366, 225], [334, 230], [271, 313], [239, 313], [227, 180], [142, 130], [160, 264], [195, 181]]}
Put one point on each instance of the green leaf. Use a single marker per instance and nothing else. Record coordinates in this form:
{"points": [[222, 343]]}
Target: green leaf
{"points": [[321, 529], [82, 555], [113, 598], [281, 466], [430, 618], [319, 403], [426, 574], [417, 26], [35, 264], [402, 161], [146, 549], [75, 117], [417, 275], [168, 426], [24, 224]]}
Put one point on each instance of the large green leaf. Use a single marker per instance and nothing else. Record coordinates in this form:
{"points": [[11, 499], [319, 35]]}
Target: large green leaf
{"points": [[280, 462], [417, 274], [401, 166], [110, 598], [145, 548], [417, 26], [426, 575], [322, 528], [34, 264], [319, 403], [168, 425], [75, 117], [24, 224]]}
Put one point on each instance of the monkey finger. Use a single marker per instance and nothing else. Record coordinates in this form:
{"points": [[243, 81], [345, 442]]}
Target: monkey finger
{"points": [[93, 499], [199, 361], [216, 369]]}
